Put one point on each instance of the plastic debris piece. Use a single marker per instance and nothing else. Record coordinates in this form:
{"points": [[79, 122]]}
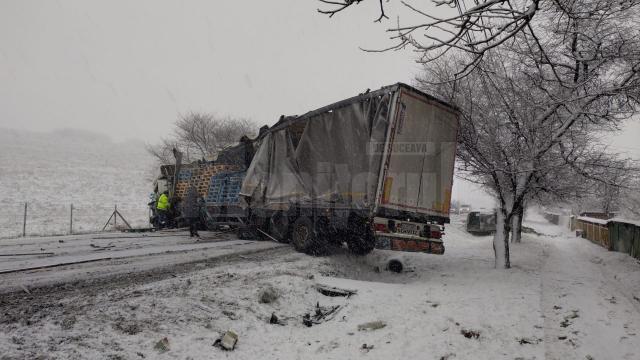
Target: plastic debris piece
{"points": [[229, 340], [162, 345], [373, 325]]}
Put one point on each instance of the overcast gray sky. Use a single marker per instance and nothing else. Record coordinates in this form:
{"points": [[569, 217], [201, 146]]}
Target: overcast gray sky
{"points": [[128, 68]]}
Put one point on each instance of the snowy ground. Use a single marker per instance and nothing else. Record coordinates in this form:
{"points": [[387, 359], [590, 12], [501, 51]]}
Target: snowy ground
{"points": [[565, 298]]}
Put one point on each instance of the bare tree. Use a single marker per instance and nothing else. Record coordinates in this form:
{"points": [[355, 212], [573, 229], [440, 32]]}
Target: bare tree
{"points": [[609, 186], [512, 143], [630, 199], [201, 135], [162, 151], [484, 25]]}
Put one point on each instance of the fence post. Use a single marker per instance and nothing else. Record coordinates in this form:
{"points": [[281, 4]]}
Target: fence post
{"points": [[24, 222], [71, 220]]}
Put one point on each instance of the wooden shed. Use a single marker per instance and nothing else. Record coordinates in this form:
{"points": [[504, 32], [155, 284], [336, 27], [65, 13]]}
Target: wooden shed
{"points": [[625, 236]]}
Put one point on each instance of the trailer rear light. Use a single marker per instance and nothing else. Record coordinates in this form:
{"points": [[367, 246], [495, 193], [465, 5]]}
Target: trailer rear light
{"points": [[381, 227], [436, 234]]}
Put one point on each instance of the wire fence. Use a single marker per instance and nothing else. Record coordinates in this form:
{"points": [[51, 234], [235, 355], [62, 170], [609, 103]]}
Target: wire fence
{"points": [[44, 219]]}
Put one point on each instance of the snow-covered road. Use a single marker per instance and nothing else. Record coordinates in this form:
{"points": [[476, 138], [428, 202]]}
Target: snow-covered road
{"points": [[39, 261], [564, 298], [590, 301]]}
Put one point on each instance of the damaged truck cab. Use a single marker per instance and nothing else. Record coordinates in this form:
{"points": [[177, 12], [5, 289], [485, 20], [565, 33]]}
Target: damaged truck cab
{"points": [[374, 171]]}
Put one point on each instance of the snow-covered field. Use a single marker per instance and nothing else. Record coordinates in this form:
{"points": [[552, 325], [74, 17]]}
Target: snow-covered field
{"points": [[565, 298], [51, 171]]}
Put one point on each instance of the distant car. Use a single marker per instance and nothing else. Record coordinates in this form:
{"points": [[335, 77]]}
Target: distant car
{"points": [[481, 223], [464, 209]]}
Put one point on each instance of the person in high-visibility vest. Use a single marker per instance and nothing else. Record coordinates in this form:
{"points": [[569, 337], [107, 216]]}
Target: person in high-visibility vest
{"points": [[162, 208]]}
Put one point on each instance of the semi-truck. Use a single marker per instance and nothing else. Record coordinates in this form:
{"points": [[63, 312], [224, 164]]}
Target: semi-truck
{"points": [[371, 171], [374, 171]]}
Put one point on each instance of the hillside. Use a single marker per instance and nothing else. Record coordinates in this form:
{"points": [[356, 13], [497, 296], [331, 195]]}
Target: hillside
{"points": [[51, 171]]}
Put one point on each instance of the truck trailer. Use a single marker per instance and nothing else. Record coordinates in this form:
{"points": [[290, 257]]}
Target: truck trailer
{"points": [[374, 171]]}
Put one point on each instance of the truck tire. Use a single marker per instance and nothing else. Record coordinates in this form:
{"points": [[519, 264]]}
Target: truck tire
{"points": [[360, 238], [361, 244], [306, 239], [279, 227]]}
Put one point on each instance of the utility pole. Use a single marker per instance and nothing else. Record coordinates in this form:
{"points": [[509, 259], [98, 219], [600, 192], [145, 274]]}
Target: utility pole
{"points": [[71, 220], [24, 222]]}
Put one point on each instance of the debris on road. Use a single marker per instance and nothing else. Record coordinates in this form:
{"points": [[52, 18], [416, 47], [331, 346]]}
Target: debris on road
{"points": [[523, 341], [162, 345], [334, 291], [366, 348], [470, 334], [320, 315], [373, 325], [228, 341], [268, 295], [273, 319]]}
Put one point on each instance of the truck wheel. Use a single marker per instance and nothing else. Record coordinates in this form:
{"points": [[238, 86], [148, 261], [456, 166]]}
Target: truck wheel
{"points": [[360, 238], [279, 227], [360, 245], [306, 239], [395, 265]]}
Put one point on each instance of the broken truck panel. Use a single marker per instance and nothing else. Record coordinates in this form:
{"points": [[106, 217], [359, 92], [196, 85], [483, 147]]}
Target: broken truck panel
{"points": [[356, 167]]}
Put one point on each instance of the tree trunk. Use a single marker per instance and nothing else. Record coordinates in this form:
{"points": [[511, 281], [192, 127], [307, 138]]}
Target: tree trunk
{"points": [[501, 241], [516, 226]]}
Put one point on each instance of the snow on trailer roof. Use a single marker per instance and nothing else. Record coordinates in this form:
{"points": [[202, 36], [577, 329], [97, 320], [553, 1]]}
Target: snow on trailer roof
{"points": [[285, 121]]}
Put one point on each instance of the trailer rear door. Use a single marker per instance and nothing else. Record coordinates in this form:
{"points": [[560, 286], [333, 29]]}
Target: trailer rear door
{"points": [[418, 169]]}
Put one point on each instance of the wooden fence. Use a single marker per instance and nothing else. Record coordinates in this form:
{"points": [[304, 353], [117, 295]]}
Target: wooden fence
{"points": [[614, 234], [593, 229]]}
